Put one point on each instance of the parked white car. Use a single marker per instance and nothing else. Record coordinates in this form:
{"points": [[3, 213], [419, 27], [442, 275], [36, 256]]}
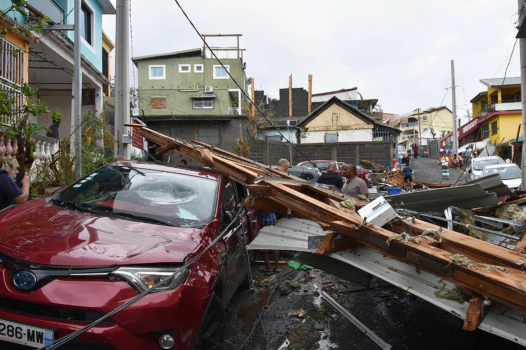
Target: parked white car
{"points": [[509, 173], [476, 166]]}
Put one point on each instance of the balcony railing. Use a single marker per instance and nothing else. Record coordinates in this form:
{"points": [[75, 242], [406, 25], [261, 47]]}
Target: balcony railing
{"points": [[508, 106], [234, 110], [11, 79], [409, 125]]}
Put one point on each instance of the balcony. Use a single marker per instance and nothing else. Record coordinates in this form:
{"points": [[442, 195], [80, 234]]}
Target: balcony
{"points": [[234, 110], [508, 106], [48, 8], [409, 125]]}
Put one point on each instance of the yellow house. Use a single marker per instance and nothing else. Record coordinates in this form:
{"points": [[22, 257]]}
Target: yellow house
{"points": [[497, 112], [107, 48]]}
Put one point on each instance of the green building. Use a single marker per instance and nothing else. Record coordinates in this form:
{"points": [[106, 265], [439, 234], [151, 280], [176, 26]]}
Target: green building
{"points": [[184, 95]]}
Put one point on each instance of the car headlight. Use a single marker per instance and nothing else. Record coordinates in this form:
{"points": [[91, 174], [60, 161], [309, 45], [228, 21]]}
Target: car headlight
{"points": [[144, 278]]}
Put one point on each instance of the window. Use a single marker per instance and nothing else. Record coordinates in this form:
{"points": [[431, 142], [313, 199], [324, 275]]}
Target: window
{"points": [[157, 72], [485, 131], [206, 103], [158, 103], [198, 68], [86, 25], [335, 118], [220, 72], [494, 129], [185, 68], [424, 118], [331, 137], [425, 129], [208, 135]]}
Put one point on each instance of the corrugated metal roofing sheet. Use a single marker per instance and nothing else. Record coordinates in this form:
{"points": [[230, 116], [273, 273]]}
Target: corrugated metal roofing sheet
{"points": [[501, 81]]}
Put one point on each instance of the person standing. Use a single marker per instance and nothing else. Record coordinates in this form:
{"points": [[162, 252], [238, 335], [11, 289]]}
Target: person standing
{"points": [[331, 177], [354, 186], [444, 161], [9, 192], [415, 150], [408, 177], [268, 218]]}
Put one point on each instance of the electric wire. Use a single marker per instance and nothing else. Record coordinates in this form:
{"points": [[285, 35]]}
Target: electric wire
{"points": [[239, 86], [64, 340]]}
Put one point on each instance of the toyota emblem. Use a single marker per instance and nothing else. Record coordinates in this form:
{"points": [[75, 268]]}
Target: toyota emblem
{"points": [[24, 280]]}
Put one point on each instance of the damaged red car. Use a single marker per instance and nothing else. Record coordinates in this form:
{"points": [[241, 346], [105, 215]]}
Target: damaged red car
{"points": [[69, 259]]}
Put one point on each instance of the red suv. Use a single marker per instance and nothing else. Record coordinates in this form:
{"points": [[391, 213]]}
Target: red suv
{"points": [[69, 259]]}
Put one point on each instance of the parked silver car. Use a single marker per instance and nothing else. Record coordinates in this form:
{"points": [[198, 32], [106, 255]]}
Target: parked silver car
{"points": [[476, 166]]}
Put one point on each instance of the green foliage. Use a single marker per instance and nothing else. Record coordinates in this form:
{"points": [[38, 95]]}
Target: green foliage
{"points": [[32, 22], [97, 148]]}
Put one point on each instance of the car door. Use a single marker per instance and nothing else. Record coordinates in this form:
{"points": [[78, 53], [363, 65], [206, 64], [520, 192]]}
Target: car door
{"points": [[233, 253]]}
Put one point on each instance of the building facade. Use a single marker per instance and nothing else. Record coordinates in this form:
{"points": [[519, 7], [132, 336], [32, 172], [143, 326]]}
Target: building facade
{"points": [[337, 121], [433, 122], [497, 112], [187, 96]]}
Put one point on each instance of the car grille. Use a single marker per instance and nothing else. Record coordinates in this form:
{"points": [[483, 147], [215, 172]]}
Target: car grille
{"points": [[52, 312], [72, 345]]}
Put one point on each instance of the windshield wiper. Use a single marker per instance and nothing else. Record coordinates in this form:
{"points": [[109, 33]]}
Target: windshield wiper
{"points": [[134, 217], [70, 204]]}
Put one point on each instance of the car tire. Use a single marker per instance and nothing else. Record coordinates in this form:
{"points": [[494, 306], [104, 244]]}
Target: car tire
{"points": [[212, 331]]}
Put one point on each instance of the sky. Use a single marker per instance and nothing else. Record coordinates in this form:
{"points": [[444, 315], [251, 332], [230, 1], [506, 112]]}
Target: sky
{"points": [[398, 52]]}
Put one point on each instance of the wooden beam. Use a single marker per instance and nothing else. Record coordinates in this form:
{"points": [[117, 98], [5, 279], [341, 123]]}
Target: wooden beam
{"points": [[334, 242], [208, 158], [476, 313]]}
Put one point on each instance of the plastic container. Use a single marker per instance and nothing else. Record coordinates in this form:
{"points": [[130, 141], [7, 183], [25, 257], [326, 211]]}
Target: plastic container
{"points": [[393, 190]]}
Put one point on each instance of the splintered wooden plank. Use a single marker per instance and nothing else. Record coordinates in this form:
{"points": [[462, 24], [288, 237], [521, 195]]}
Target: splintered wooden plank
{"points": [[467, 245], [507, 287]]}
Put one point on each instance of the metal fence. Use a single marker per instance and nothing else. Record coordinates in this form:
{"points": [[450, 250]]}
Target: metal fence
{"points": [[11, 79]]}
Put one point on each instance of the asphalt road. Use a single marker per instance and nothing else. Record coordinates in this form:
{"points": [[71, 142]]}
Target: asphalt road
{"points": [[428, 170]]}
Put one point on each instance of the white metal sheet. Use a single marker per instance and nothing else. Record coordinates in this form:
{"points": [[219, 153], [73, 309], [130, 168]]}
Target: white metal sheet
{"points": [[292, 234]]}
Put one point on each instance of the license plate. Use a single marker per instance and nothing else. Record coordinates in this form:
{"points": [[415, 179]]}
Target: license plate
{"points": [[25, 335]]}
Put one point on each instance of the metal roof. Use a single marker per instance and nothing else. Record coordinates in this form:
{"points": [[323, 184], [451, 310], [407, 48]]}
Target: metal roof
{"points": [[190, 52], [501, 81]]}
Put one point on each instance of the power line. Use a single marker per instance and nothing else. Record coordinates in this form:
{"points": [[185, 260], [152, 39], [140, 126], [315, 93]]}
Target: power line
{"points": [[239, 86]]}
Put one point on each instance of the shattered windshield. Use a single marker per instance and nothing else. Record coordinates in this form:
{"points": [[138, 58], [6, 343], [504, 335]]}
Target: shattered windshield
{"points": [[506, 173], [144, 195], [480, 164]]}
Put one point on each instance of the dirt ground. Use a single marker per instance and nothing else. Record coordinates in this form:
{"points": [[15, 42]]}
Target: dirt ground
{"points": [[397, 317]]}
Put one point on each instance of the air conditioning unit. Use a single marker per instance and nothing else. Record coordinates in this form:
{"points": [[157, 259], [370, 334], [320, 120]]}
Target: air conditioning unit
{"points": [[292, 122], [209, 89]]}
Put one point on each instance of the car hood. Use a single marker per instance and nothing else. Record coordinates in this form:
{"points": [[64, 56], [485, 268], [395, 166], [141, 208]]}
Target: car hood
{"points": [[41, 233]]}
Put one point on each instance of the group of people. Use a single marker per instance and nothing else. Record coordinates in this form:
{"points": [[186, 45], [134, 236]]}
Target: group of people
{"points": [[354, 187]]}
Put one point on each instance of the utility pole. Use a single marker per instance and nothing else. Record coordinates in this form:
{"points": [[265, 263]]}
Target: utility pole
{"points": [[290, 96], [76, 116], [522, 11], [455, 133], [122, 80]]}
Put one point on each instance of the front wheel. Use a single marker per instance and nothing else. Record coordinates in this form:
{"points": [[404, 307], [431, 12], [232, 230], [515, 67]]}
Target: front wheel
{"points": [[212, 332]]}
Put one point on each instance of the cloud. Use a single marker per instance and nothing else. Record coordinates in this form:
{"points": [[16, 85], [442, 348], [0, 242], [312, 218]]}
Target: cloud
{"points": [[399, 52]]}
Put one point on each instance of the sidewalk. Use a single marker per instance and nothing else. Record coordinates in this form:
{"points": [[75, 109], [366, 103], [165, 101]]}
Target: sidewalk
{"points": [[428, 170]]}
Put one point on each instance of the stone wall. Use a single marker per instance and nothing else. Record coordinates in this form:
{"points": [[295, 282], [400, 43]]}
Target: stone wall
{"points": [[269, 152]]}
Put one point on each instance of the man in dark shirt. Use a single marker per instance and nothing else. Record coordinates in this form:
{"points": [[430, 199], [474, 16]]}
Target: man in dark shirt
{"points": [[331, 177], [53, 129], [9, 191], [408, 176]]}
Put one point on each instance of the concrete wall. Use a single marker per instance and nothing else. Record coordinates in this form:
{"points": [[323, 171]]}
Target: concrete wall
{"points": [[343, 136], [178, 88], [62, 101], [269, 152], [188, 130]]}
